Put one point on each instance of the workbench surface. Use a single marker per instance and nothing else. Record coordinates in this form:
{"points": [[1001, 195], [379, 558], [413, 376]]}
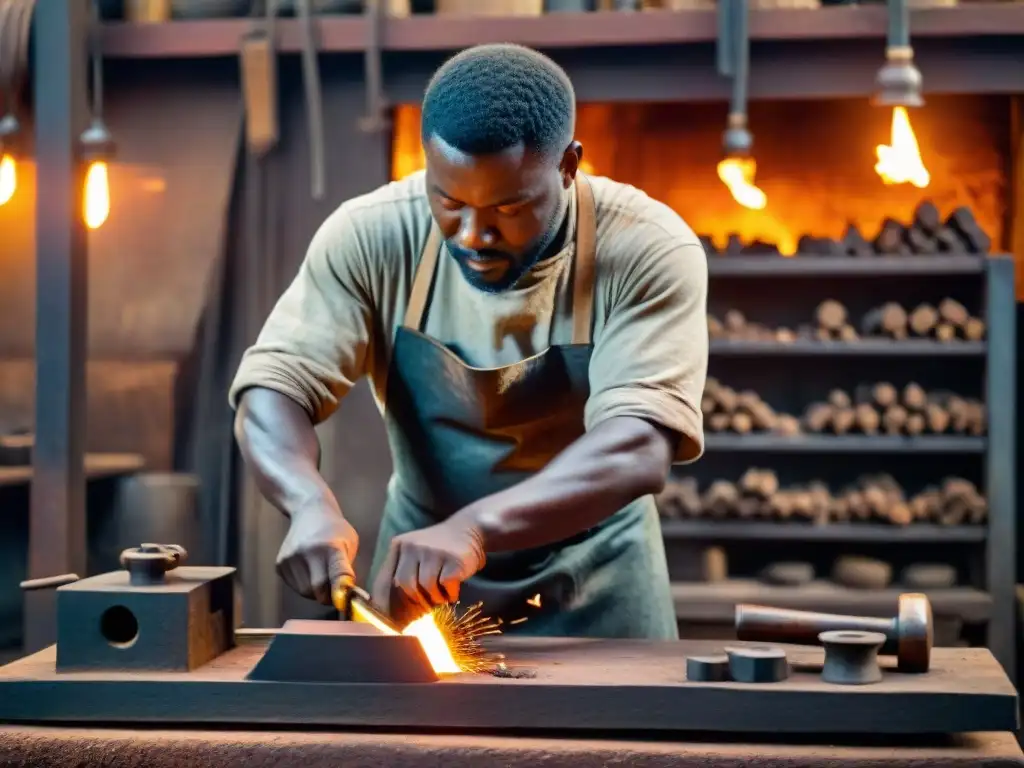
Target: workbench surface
{"points": [[85, 748], [599, 686]]}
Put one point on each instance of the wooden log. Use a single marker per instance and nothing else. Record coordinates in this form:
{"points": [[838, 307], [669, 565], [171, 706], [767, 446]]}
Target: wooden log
{"points": [[925, 506], [976, 418], [956, 407], [854, 243], [916, 424], [734, 322], [876, 499], [688, 496], [749, 507], [868, 420], [787, 425], [708, 405], [948, 241], [923, 320], [780, 505], [821, 502], [761, 483], [973, 237], [953, 312], [945, 332], [888, 320], [715, 328], [844, 420], [741, 423], [803, 504], [719, 422], [927, 218], [839, 398], [974, 329], [727, 399], [747, 400], [937, 418], [890, 238], [900, 514], [720, 499], [818, 417], [914, 397], [920, 242], [894, 419], [764, 417], [857, 505], [881, 395], [847, 333], [830, 315]]}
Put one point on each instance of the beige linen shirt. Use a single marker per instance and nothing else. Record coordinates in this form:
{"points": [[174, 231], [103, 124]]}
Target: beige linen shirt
{"points": [[336, 322]]}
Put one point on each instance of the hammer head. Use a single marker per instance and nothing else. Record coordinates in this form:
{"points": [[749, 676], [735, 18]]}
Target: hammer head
{"points": [[914, 631]]}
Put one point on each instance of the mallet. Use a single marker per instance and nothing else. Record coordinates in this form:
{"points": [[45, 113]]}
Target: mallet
{"points": [[908, 635]]}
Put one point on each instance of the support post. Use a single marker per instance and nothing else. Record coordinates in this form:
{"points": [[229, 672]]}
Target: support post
{"points": [[57, 541], [1001, 469]]}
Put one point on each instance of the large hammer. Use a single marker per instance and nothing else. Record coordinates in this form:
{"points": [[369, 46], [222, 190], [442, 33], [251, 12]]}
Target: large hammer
{"points": [[908, 635]]}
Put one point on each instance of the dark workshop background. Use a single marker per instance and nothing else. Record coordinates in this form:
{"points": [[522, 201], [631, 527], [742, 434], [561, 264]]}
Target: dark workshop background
{"points": [[202, 239]]}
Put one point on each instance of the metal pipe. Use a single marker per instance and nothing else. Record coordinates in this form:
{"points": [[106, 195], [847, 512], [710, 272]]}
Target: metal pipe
{"points": [[57, 500], [314, 100], [899, 24], [375, 119], [724, 47], [741, 57]]}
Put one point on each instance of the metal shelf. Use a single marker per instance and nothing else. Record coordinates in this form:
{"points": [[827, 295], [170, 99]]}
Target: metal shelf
{"points": [[431, 32], [738, 530], [727, 442], [860, 348], [868, 266]]}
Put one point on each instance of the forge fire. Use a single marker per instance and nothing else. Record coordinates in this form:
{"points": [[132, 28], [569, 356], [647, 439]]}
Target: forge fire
{"points": [[827, 169]]}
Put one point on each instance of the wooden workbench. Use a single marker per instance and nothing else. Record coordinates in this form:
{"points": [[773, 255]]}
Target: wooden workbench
{"points": [[85, 748]]}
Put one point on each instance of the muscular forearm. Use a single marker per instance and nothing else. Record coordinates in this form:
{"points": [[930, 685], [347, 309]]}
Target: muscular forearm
{"points": [[606, 469], [280, 447]]}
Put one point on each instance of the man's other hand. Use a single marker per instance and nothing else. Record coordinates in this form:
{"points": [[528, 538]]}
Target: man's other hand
{"points": [[426, 568]]}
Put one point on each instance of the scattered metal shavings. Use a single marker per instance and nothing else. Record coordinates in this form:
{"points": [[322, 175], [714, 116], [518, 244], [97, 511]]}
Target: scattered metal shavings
{"points": [[513, 673]]}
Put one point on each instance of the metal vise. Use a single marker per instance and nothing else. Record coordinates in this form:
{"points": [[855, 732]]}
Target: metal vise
{"points": [[154, 614], [908, 635]]}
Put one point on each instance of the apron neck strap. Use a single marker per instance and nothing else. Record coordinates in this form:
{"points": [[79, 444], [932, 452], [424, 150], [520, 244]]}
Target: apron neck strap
{"points": [[583, 280]]}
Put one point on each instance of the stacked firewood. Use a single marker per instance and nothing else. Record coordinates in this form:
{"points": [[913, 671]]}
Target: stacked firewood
{"points": [[948, 322], [874, 498], [883, 409], [726, 410], [873, 409], [926, 235]]}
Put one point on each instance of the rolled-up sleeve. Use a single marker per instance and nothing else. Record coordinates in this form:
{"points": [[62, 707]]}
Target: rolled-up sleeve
{"points": [[314, 345], [650, 359]]}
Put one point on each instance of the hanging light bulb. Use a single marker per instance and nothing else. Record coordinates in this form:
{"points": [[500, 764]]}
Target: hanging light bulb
{"points": [[97, 144], [8, 163]]}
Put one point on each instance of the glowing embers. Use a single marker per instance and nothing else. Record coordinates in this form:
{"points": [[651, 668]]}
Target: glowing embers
{"points": [[462, 633]]}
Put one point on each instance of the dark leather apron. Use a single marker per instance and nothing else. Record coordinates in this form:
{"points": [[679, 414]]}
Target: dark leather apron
{"points": [[459, 433]]}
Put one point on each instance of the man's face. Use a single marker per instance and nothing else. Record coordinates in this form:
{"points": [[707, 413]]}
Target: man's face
{"points": [[498, 213]]}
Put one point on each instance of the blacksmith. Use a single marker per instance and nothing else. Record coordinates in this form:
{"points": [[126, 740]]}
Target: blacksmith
{"points": [[536, 340]]}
